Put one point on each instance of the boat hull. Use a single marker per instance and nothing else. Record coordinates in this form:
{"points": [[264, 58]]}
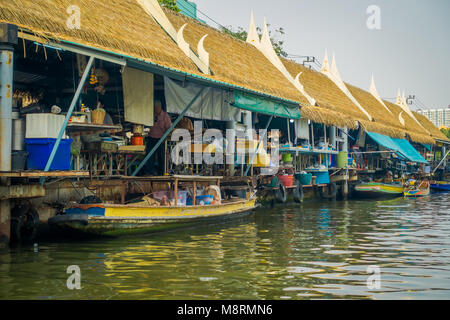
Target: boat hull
{"points": [[378, 190], [440, 187], [122, 220], [417, 193]]}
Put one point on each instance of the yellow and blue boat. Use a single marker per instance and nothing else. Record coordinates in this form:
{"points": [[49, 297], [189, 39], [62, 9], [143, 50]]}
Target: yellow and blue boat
{"points": [[422, 190], [115, 220], [440, 186], [378, 189]]}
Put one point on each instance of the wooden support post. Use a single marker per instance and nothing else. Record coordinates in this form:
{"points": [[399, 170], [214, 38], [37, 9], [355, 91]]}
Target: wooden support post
{"points": [[123, 192], [5, 220], [194, 193], [176, 192]]}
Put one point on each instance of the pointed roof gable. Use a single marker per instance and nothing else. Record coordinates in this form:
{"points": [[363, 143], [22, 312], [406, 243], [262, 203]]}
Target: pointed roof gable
{"points": [[235, 61]]}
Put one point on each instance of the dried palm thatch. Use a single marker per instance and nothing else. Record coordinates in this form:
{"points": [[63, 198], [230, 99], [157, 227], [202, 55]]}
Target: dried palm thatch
{"points": [[375, 108], [329, 96], [382, 129], [412, 128], [235, 61], [328, 117], [435, 132], [389, 123], [120, 26], [324, 91], [123, 27], [420, 138]]}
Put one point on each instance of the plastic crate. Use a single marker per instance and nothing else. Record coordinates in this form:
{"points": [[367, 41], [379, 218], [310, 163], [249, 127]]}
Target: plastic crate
{"points": [[322, 177], [304, 179], [39, 151]]}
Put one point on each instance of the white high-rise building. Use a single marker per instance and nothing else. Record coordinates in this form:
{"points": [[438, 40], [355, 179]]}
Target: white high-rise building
{"points": [[439, 117]]}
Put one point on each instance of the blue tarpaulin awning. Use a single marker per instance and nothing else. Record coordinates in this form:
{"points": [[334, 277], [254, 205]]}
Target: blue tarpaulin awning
{"points": [[401, 146], [409, 151]]}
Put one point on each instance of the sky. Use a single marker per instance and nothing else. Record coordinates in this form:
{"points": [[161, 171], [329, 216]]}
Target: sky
{"points": [[410, 51]]}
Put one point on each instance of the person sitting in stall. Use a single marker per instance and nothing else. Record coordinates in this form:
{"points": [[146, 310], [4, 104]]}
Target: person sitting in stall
{"points": [[161, 125], [389, 177]]}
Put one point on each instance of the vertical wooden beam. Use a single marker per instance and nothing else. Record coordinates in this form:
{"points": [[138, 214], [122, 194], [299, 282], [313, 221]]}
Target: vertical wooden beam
{"points": [[176, 192], [194, 193]]}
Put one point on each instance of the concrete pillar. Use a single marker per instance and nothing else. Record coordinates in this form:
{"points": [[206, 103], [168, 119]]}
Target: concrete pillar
{"points": [[8, 38], [231, 149], [345, 137], [332, 135]]}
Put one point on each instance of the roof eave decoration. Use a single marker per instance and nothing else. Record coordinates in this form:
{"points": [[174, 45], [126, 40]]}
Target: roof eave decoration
{"points": [[333, 74], [374, 92], [400, 118], [265, 46], [153, 9], [252, 35], [402, 103]]}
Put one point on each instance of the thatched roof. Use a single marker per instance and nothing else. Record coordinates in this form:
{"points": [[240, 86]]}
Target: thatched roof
{"points": [[388, 123], [328, 117], [435, 132], [119, 26], [324, 91], [235, 61], [415, 132], [123, 27], [374, 107]]}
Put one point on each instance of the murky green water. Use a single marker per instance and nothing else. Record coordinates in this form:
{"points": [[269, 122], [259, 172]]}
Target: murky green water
{"points": [[318, 250]]}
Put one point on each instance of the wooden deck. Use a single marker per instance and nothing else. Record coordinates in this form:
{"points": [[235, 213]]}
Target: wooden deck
{"points": [[39, 174]]}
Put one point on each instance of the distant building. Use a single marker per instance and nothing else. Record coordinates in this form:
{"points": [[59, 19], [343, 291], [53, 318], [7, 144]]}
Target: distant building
{"points": [[189, 9], [439, 117]]}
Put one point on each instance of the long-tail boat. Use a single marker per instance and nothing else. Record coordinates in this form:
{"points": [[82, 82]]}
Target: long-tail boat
{"points": [[142, 217], [440, 186], [379, 189], [418, 190]]}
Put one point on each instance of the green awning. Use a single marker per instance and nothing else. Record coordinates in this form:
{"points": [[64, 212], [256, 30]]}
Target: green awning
{"points": [[265, 106]]}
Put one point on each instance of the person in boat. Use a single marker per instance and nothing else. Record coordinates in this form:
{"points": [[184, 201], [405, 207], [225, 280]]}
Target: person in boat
{"points": [[162, 123], [389, 177]]}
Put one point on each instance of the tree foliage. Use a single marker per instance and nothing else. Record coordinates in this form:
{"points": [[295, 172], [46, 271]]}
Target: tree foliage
{"points": [[278, 44], [170, 4], [446, 131]]}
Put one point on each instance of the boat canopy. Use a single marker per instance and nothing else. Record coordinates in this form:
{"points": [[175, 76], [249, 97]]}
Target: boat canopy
{"points": [[401, 146], [265, 106]]}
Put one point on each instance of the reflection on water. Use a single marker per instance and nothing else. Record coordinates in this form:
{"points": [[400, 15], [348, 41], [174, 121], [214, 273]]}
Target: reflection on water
{"points": [[318, 250]]}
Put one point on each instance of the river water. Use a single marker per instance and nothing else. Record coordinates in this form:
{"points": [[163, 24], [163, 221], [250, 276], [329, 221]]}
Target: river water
{"points": [[319, 250]]}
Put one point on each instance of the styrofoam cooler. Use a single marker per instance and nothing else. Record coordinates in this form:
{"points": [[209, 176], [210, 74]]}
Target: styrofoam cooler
{"points": [[44, 126]]}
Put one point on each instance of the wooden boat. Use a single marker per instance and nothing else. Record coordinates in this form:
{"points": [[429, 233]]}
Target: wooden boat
{"points": [[440, 186], [421, 190], [116, 220], [378, 189]]}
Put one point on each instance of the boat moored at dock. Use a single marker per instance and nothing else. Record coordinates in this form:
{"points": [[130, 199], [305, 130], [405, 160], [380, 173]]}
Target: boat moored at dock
{"points": [[418, 190], [440, 186], [378, 189], [116, 220]]}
